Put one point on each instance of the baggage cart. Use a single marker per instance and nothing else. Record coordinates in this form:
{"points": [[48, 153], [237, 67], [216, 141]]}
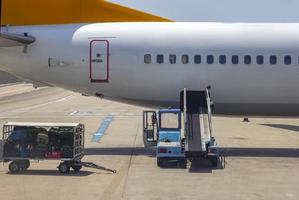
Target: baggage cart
{"points": [[26, 141]]}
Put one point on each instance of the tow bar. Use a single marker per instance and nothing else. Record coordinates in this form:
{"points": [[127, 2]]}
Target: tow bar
{"points": [[95, 166]]}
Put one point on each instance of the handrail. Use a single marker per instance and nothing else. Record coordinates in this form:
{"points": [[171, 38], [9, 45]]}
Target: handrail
{"points": [[209, 110]]}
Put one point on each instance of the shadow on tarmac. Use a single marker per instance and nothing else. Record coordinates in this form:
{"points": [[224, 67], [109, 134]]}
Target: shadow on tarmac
{"points": [[260, 152], [201, 166], [283, 126], [6, 78], [224, 151], [120, 151], [39, 172], [196, 166]]}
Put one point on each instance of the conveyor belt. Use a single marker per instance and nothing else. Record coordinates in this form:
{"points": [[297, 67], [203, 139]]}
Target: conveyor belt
{"points": [[197, 122]]}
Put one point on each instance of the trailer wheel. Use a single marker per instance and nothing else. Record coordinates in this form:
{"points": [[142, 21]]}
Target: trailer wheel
{"points": [[77, 168], [183, 163], [64, 168], [24, 164], [14, 167]]}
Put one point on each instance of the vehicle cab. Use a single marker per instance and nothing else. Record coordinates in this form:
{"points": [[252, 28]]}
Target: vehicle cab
{"points": [[169, 140], [162, 130]]}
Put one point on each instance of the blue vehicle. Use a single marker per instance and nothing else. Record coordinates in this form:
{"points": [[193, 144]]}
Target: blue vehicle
{"points": [[168, 140], [193, 142]]}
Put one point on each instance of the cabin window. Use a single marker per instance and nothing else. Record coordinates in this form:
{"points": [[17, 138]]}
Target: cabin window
{"points": [[197, 59], [235, 59], [287, 60], [222, 59], [147, 58], [160, 58], [247, 60], [260, 60], [273, 60], [185, 59], [172, 59], [210, 59]]}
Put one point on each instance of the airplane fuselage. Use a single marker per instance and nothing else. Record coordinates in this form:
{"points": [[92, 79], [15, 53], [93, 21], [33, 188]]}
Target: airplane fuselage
{"points": [[252, 68]]}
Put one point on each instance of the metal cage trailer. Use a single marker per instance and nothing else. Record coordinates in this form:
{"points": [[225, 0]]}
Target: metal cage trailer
{"points": [[25, 141]]}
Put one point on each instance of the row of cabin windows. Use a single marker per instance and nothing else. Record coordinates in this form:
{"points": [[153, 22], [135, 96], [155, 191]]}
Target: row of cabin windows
{"points": [[222, 59]]}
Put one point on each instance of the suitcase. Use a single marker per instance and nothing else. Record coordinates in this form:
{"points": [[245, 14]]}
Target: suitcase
{"points": [[54, 154], [67, 151], [39, 151]]}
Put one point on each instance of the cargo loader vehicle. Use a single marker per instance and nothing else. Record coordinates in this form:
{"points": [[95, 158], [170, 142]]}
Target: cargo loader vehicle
{"points": [[183, 134]]}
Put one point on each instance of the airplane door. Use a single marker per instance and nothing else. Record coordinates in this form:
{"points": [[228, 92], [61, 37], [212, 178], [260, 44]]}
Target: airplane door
{"points": [[99, 61]]}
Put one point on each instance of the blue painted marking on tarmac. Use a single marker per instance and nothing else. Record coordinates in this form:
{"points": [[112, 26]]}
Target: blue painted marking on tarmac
{"points": [[102, 130]]}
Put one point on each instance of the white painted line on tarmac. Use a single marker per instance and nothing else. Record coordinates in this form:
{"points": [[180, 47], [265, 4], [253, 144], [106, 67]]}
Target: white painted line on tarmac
{"points": [[130, 114], [99, 134], [11, 84], [74, 112], [65, 99], [90, 113], [114, 114], [14, 91], [44, 104]]}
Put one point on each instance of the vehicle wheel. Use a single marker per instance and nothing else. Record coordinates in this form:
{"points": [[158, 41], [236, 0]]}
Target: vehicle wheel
{"points": [[77, 168], [64, 168], [183, 163], [14, 167], [24, 164], [214, 161], [159, 162]]}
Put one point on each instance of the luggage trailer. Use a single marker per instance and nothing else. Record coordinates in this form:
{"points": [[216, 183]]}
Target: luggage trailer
{"points": [[23, 142]]}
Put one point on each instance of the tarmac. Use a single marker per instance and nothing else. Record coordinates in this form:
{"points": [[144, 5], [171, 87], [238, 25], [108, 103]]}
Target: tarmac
{"points": [[262, 156], [6, 78]]}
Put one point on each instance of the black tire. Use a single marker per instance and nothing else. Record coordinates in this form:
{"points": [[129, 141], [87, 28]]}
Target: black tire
{"points": [[14, 167], [24, 164], [77, 168], [214, 161], [183, 163], [64, 168], [159, 162]]}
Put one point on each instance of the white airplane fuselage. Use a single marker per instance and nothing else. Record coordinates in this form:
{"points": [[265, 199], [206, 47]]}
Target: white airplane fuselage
{"points": [[109, 59]]}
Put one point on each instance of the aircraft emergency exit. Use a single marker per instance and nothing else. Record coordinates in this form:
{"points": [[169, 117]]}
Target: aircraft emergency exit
{"points": [[252, 68]]}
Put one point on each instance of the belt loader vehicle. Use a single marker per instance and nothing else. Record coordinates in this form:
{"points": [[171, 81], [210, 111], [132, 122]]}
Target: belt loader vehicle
{"points": [[199, 140], [191, 139]]}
